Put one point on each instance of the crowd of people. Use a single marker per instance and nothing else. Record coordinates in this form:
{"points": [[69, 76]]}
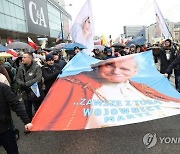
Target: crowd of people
{"points": [[17, 78], [42, 68], [165, 53]]}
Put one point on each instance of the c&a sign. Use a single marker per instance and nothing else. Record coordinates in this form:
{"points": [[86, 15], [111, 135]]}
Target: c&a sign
{"points": [[37, 16]]}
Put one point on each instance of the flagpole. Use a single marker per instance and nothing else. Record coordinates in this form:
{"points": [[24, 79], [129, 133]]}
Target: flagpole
{"points": [[62, 33], [62, 29]]}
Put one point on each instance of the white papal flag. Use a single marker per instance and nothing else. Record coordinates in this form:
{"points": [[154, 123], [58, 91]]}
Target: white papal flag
{"points": [[162, 23], [82, 30]]}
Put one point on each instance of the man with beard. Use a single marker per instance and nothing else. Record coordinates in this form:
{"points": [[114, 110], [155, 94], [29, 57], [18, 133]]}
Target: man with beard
{"points": [[167, 54]]}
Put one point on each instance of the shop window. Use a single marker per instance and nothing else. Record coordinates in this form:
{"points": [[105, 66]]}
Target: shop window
{"points": [[1, 7], [6, 7], [14, 24], [8, 22], [2, 21]]}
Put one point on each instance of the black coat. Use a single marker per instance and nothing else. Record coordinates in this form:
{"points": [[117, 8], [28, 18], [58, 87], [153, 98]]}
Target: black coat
{"points": [[164, 61], [176, 65], [8, 101], [50, 74], [61, 63]]}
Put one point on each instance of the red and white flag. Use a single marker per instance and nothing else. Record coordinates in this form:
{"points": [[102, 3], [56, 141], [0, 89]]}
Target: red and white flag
{"points": [[12, 52], [82, 30], [9, 40], [32, 44]]}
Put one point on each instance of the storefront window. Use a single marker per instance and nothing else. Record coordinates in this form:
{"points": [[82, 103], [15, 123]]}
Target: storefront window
{"points": [[2, 21], [8, 22], [12, 9], [1, 7], [14, 24], [6, 7]]}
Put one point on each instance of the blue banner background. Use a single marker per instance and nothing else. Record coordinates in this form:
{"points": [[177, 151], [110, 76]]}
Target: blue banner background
{"points": [[147, 71]]}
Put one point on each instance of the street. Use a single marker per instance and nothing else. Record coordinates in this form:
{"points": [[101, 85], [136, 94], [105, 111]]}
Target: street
{"points": [[122, 139]]}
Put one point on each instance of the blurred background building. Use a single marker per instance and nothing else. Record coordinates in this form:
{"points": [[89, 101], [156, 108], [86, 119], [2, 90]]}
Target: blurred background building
{"points": [[36, 19]]}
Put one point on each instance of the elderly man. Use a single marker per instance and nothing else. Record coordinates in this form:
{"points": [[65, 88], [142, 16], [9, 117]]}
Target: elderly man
{"points": [[29, 73], [90, 96]]}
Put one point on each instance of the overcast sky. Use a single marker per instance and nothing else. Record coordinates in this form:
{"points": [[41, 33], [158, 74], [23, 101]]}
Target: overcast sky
{"points": [[111, 15]]}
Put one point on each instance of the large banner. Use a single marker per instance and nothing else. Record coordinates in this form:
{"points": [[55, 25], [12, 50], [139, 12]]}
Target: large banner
{"points": [[94, 94]]}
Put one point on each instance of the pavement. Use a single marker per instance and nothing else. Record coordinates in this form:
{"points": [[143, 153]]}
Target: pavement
{"points": [[126, 139]]}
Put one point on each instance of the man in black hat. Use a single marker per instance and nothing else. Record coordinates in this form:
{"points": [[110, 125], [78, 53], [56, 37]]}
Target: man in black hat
{"points": [[59, 60], [72, 53], [50, 72], [109, 53]]}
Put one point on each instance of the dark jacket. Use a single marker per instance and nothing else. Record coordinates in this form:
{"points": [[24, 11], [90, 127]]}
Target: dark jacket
{"points": [[61, 63], [27, 77], [108, 57], [176, 65], [4, 72], [9, 101], [164, 61], [50, 74]]}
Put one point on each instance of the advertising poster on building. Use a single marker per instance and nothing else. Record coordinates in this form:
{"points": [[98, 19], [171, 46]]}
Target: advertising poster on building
{"points": [[37, 17]]}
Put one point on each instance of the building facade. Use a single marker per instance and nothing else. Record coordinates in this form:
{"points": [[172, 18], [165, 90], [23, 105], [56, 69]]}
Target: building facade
{"points": [[176, 32], [36, 19], [153, 32], [131, 31]]}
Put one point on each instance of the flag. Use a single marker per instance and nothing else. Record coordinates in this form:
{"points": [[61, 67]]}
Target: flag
{"points": [[43, 45], [9, 40], [60, 36], [82, 30], [12, 52], [35, 89], [162, 23], [32, 44], [103, 40]]}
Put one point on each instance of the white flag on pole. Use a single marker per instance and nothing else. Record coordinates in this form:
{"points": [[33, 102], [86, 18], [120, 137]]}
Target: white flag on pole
{"points": [[162, 23], [82, 30]]}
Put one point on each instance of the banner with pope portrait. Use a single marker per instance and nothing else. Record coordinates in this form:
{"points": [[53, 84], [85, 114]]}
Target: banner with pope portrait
{"points": [[92, 94]]}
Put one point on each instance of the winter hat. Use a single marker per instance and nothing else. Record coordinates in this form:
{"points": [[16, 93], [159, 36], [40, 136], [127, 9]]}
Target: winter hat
{"points": [[49, 57], [107, 49]]}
